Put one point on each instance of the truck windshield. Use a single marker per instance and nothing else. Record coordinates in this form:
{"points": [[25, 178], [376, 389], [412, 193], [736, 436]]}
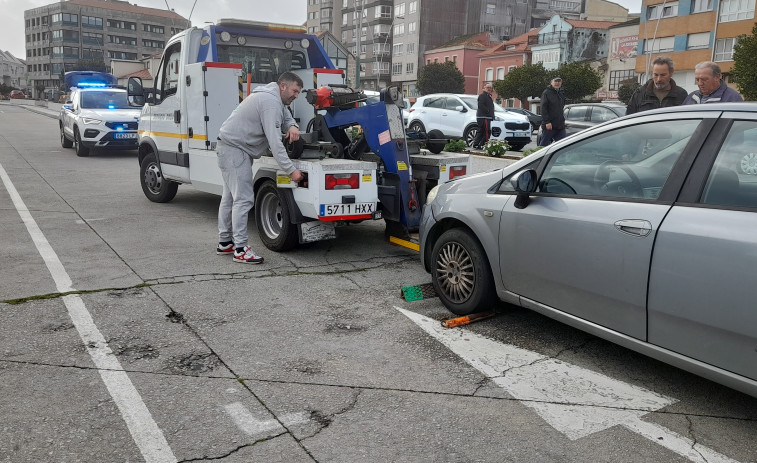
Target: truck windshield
{"points": [[263, 64], [104, 100]]}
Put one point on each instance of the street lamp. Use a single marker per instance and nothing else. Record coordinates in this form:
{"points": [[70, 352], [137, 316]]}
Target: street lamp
{"points": [[386, 40], [358, 32]]}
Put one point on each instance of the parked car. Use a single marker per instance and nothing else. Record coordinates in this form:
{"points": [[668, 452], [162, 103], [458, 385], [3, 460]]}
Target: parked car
{"points": [[17, 94], [455, 116], [98, 117], [584, 115], [534, 119], [636, 231], [374, 97]]}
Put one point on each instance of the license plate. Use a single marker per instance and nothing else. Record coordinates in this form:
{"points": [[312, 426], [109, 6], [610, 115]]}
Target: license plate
{"points": [[330, 210], [124, 136]]}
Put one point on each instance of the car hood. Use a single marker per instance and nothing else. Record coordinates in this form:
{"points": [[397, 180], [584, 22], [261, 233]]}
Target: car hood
{"points": [[507, 115], [115, 115]]}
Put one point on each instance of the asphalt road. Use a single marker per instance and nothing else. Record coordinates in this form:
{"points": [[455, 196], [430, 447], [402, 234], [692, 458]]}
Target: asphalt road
{"points": [[123, 337]]}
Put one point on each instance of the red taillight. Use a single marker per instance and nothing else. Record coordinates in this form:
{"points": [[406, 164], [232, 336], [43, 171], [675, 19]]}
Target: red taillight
{"points": [[342, 181], [456, 171], [411, 110]]}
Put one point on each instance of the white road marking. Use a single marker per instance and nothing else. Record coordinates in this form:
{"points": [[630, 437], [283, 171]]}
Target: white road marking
{"points": [[573, 400], [145, 432], [252, 426]]}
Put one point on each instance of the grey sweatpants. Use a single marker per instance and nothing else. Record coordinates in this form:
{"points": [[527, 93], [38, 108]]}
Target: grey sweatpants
{"points": [[238, 196]]}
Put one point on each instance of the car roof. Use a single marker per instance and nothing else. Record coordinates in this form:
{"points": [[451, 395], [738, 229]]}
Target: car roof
{"points": [[101, 89]]}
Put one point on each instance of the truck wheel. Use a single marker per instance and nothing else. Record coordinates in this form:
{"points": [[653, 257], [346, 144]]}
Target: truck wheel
{"points": [[436, 141], [272, 219], [461, 274], [64, 142], [81, 150], [470, 134], [157, 188]]}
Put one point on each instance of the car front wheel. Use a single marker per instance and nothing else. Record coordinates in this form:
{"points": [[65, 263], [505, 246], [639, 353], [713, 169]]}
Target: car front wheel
{"points": [[416, 126], [81, 150], [64, 142], [461, 274], [470, 134]]}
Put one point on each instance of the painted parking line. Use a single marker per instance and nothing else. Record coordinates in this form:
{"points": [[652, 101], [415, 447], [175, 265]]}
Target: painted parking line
{"points": [[145, 432], [573, 400]]}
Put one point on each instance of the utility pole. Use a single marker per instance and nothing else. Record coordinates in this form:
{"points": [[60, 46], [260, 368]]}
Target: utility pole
{"points": [[358, 32]]}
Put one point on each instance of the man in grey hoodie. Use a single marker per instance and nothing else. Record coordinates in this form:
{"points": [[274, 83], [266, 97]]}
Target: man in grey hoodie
{"points": [[256, 125]]}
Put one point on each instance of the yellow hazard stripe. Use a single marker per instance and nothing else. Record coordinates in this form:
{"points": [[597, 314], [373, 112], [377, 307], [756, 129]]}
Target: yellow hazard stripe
{"points": [[404, 243], [146, 133]]}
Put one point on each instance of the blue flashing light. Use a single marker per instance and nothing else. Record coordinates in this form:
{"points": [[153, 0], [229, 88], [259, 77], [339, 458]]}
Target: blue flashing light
{"points": [[111, 106], [119, 129], [92, 85]]}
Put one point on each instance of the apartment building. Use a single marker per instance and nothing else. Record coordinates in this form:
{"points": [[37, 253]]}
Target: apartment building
{"points": [[324, 15], [59, 35], [464, 52], [691, 31], [12, 70]]}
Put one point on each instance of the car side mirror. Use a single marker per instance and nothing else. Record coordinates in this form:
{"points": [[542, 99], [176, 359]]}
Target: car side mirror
{"points": [[524, 183], [461, 109]]}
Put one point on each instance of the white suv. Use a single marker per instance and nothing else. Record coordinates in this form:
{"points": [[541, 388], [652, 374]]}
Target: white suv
{"points": [[98, 117], [455, 116]]}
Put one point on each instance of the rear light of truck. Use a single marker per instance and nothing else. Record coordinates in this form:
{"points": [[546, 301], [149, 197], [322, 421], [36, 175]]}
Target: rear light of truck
{"points": [[456, 171], [342, 181]]}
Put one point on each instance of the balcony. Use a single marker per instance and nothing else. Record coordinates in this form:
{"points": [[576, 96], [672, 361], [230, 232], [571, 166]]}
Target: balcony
{"points": [[553, 37]]}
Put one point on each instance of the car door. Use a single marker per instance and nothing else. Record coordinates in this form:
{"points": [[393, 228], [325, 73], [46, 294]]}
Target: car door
{"points": [[583, 244], [701, 289], [576, 119], [430, 112], [453, 118], [69, 114]]}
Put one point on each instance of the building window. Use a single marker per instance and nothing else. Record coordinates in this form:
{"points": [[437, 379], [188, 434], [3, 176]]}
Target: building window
{"points": [[399, 10], [409, 68], [546, 56], [397, 49], [659, 45], [345, 19], [93, 54], [510, 68], [412, 7], [724, 49], [384, 11], [668, 10], [500, 73], [399, 29], [489, 74], [153, 28], [65, 18], [122, 25], [92, 22], [411, 27], [122, 40], [153, 43], [91, 38], [697, 41], [396, 69], [410, 48], [736, 10], [122, 55], [699, 6], [490, 7], [617, 78]]}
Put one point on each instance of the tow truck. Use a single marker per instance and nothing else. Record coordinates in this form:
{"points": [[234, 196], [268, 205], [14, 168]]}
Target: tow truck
{"points": [[358, 163]]}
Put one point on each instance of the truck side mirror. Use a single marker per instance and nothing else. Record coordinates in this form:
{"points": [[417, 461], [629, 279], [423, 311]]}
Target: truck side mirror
{"points": [[135, 92]]}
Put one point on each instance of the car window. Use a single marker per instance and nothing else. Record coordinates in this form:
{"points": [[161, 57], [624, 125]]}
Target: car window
{"points": [[452, 103], [437, 102], [104, 100], [601, 114], [576, 113], [733, 178], [629, 162], [470, 102]]}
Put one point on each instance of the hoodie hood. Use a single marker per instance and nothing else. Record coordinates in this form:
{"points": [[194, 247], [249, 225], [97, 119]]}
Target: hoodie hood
{"points": [[272, 88]]}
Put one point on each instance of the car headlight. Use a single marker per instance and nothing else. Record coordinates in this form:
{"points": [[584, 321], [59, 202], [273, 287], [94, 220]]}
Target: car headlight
{"points": [[90, 121], [497, 118], [432, 195]]}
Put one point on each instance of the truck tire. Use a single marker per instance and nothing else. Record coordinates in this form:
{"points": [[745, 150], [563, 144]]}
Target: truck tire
{"points": [[272, 218], [436, 141], [461, 274], [81, 150], [64, 142], [157, 188]]}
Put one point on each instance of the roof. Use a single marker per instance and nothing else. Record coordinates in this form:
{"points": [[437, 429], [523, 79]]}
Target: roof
{"points": [[586, 24], [142, 74], [630, 22], [479, 39], [520, 42], [126, 7]]}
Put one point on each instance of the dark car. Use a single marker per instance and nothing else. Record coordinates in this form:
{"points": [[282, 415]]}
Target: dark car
{"points": [[584, 115], [534, 119]]}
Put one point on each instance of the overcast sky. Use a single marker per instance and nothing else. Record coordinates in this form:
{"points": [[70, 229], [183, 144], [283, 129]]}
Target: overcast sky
{"points": [[281, 11]]}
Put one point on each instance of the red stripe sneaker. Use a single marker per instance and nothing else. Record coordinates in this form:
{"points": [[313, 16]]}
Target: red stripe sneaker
{"points": [[246, 256], [225, 249]]}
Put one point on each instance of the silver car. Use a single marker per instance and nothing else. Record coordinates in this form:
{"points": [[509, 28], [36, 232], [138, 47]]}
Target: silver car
{"points": [[640, 231]]}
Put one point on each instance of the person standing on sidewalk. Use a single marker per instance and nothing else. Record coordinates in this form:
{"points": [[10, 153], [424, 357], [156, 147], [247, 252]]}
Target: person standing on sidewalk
{"points": [[484, 116], [553, 119], [660, 91], [712, 89], [256, 125]]}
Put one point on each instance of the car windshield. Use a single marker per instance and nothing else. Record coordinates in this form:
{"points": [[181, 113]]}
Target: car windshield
{"points": [[104, 100]]}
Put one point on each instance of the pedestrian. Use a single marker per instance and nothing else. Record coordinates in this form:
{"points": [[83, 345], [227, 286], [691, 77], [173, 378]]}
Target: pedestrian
{"points": [[660, 91], [255, 126], [484, 116], [553, 119], [712, 89]]}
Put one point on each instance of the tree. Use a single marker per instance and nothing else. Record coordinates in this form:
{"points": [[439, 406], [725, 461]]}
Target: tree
{"points": [[440, 78], [523, 82], [744, 70], [578, 80], [626, 89]]}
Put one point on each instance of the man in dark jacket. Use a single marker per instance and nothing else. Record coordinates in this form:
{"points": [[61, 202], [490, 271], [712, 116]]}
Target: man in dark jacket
{"points": [[660, 91], [484, 116], [712, 89], [553, 119]]}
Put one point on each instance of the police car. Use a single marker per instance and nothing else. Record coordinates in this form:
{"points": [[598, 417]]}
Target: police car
{"points": [[97, 114]]}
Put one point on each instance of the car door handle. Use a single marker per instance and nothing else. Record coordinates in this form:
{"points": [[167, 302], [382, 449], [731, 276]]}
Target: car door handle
{"points": [[634, 227]]}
